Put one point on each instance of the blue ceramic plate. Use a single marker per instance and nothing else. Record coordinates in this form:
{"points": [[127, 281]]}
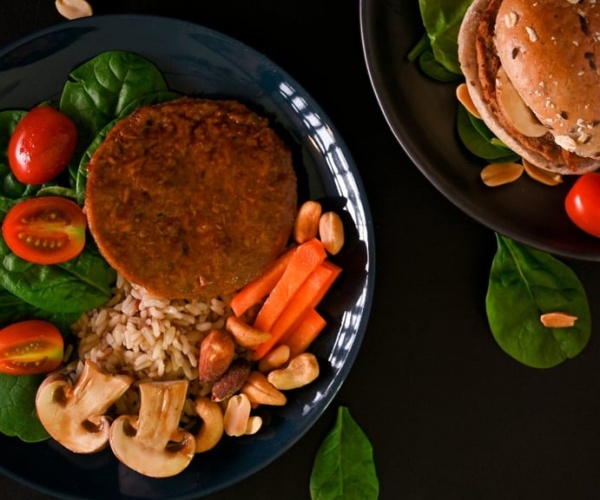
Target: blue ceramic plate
{"points": [[422, 115], [201, 62]]}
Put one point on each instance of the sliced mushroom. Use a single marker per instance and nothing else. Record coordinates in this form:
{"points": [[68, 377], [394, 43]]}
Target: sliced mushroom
{"points": [[514, 108], [74, 414], [152, 443]]}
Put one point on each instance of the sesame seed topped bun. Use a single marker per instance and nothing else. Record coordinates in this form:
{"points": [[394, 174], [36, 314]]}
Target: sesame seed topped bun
{"points": [[532, 73]]}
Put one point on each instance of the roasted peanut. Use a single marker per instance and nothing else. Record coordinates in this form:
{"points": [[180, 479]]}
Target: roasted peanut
{"points": [[237, 413], [275, 358], [331, 232], [464, 97], [245, 334], [540, 175], [306, 225], [260, 391], [73, 9], [301, 370], [254, 424], [211, 431], [558, 320], [497, 174]]}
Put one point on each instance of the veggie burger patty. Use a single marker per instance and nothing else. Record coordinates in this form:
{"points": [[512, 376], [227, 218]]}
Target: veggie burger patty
{"points": [[191, 198]]}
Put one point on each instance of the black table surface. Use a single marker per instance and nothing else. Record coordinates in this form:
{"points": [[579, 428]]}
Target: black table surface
{"points": [[448, 413]]}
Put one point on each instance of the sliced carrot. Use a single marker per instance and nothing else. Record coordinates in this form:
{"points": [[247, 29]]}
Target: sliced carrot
{"points": [[255, 291], [300, 338], [307, 257], [308, 296]]}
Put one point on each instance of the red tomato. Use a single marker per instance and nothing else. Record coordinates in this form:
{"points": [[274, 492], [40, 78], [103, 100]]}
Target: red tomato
{"points": [[30, 347], [41, 145], [45, 230], [583, 203]]}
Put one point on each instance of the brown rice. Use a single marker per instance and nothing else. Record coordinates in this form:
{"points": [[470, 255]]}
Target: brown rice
{"points": [[146, 337]]}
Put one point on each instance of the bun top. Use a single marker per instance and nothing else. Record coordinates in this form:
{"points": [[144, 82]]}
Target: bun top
{"points": [[550, 50]]}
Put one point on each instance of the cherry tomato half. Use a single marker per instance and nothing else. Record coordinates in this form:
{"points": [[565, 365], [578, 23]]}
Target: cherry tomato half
{"points": [[45, 230], [41, 145], [30, 347], [583, 203]]}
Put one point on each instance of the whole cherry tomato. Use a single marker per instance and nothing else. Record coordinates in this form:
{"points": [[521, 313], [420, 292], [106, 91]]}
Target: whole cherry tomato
{"points": [[41, 145], [45, 230], [30, 347], [583, 203]]}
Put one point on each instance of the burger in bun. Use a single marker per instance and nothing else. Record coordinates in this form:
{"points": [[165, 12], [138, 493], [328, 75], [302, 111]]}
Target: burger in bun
{"points": [[532, 68]]}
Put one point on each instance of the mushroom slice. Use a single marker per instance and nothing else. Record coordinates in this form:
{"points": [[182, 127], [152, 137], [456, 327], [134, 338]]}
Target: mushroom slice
{"points": [[152, 443], [74, 414], [514, 108]]}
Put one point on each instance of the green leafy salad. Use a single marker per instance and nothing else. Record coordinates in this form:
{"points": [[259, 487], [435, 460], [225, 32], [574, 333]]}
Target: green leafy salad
{"points": [[95, 95]]}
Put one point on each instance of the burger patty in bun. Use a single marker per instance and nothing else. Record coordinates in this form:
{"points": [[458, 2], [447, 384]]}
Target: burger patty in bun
{"points": [[533, 72]]}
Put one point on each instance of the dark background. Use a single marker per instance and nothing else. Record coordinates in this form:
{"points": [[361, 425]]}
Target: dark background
{"points": [[448, 413]]}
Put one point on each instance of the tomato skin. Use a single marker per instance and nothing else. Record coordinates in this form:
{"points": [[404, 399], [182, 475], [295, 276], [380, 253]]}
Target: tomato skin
{"points": [[41, 145], [30, 347], [583, 203], [45, 230]]}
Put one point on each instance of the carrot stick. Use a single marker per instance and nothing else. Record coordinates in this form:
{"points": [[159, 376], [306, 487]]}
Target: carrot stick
{"points": [[259, 288], [300, 338], [304, 261], [308, 296]]}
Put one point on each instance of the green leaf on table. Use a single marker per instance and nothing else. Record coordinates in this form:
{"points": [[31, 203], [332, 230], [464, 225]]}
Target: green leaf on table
{"points": [[525, 283], [344, 468]]}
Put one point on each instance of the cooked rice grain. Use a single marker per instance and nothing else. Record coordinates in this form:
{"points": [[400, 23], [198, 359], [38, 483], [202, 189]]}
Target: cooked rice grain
{"points": [[145, 336]]}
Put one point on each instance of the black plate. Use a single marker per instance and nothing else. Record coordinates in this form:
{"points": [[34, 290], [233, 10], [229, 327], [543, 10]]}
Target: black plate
{"points": [[199, 61], [422, 114]]}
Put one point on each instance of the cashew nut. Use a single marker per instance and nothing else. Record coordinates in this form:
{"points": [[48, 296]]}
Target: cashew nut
{"points": [[245, 334], [300, 371], [212, 428]]}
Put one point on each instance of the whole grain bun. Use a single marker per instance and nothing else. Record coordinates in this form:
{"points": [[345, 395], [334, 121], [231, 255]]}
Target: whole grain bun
{"points": [[538, 47], [548, 50]]}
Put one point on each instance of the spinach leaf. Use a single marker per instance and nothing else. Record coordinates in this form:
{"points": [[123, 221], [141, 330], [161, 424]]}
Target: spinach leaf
{"points": [[13, 309], [525, 283], [17, 408], [479, 140], [99, 90], [442, 22], [344, 467], [75, 286], [423, 54]]}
